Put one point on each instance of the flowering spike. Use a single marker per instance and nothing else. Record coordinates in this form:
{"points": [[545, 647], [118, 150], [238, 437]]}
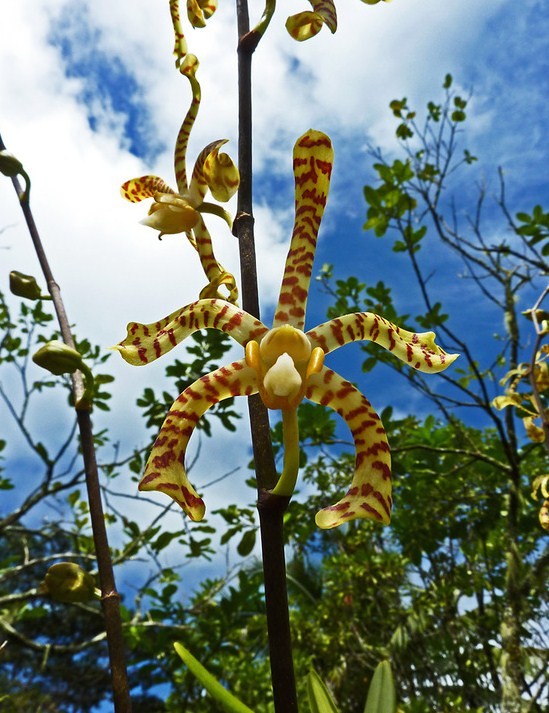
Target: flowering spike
{"points": [[146, 342], [165, 469], [370, 493], [307, 24], [313, 160], [418, 349]]}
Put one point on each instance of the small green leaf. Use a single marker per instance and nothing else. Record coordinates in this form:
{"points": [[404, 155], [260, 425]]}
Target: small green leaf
{"points": [[381, 694], [247, 543], [320, 700], [226, 700]]}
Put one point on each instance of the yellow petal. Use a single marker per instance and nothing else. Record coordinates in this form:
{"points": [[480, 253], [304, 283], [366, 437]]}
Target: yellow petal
{"points": [[313, 160], [370, 493], [169, 218], [138, 189], [165, 470], [146, 342], [221, 175], [307, 24], [417, 349], [304, 25]]}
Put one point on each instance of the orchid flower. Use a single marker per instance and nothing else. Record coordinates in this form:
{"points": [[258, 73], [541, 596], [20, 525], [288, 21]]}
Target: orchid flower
{"points": [[181, 212], [284, 364], [309, 23]]}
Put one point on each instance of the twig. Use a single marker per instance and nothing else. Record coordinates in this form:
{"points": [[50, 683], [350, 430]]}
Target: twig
{"points": [[110, 599]]}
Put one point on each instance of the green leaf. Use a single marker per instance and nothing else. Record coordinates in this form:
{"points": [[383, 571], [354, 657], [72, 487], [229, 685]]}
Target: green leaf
{"points": [[381, 694], [246, 544], [320, 700], [226, 700]]}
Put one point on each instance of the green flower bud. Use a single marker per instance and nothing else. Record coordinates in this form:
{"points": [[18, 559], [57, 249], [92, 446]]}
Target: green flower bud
{"points": [[24, 286], [68, 582], [10, 165], [58, 358]]}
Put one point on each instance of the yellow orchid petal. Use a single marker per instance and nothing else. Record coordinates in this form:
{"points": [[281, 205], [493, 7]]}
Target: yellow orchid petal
{"points": [[198, 11], [313, 160], [214, 271], [370, 493], [165, 470], [138, 189], [417, 349], [188, 67], [223, 178], [180, 47], [146, 342], [226, 280], [304, 25], [221, 175], [307, 24], [171, 214]]}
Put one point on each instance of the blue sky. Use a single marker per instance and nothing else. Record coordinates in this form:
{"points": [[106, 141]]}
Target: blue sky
{"points": [[89, 97]]}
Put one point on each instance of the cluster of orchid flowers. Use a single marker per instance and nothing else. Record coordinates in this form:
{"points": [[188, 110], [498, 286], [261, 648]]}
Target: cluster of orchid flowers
{"points": [[284, 364]]}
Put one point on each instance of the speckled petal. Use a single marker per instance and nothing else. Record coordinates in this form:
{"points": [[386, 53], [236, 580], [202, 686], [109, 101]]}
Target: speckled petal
{"points": [[417, 349], [165, 470], [307, 24], [370, 493], [313, 160], [146, 342], [138, 189]]}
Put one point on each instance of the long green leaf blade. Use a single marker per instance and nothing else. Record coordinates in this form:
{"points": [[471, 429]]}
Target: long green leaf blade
{"points": [[381, 694], [320, 700], [230, 703]]}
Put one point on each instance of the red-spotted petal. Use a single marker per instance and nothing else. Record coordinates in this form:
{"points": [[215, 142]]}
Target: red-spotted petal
{"points": [[417, 349], [370, 493], [180, 47], [146, 342], [313, 160], [165, 470], [214, 271], [138, 189], [189, 68], [198, 11], [307, 24]]}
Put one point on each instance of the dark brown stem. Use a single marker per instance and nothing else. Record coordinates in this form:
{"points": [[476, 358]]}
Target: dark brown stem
{"points": [[110, 599], [271, 508]]}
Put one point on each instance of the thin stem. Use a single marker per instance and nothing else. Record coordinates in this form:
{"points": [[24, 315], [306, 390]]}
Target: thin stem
{"points": [[110, 599], [271, 507]]}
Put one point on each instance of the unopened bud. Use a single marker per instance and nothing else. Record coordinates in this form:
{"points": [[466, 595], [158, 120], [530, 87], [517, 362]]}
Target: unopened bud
{"points": [[58, 358], [68, 582], [10, 165], [24, 286]]}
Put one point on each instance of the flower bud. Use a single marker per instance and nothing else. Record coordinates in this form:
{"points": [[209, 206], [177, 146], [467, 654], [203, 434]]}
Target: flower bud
{"points": [[10, 165], [58, 358], [68, 582], [24, 286]]}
